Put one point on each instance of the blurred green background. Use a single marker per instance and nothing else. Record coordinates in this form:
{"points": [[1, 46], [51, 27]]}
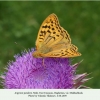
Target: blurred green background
{"points": [[20, 22]]}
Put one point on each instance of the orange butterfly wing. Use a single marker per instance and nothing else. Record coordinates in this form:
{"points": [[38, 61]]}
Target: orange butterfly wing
{"points": [[53, 40]]}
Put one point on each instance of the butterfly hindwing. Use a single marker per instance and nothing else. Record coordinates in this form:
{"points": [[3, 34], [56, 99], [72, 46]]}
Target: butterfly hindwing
{"points": [[63, 52]]}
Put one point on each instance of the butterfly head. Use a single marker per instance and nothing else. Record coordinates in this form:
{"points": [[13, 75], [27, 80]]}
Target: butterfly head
{"points": [[37, 54]]}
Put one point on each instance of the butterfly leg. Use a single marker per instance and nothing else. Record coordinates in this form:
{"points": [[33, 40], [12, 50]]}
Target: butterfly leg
{"points": [[57, 61], [43, 62]]}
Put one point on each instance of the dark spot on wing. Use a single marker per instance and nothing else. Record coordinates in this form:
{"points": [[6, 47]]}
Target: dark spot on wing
{"points": [[58, 30], [49, 27], [48, 31], [53, 29], [54, 32], [51, 21], [57, 35], [56, 27]]}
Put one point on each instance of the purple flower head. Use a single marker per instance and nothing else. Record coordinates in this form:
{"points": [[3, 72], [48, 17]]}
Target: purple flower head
{"points": [[27, 72]]}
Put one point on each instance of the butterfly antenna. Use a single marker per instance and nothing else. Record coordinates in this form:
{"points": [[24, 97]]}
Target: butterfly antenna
{"points": [[21, 47]]}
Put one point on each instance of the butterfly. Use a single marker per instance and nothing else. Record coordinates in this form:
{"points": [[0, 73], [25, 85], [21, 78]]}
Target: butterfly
{"points": [[54, 41]]}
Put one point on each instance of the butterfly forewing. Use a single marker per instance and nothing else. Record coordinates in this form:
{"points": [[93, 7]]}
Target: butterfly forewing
{"points": [[50, 32]]}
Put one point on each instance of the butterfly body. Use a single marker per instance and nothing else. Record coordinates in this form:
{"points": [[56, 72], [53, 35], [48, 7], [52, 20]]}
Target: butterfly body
{"points": [[41, 52], [54, 41]]}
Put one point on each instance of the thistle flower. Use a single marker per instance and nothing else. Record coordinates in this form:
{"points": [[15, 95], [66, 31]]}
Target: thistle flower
{"points": [[27, 72]]}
